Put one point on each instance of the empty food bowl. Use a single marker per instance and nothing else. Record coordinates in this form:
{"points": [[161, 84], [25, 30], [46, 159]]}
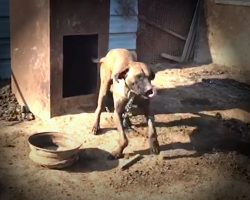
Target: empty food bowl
{"points": [[53, 149]]}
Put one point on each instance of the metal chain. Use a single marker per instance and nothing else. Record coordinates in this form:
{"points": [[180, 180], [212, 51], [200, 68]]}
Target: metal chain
{"points": [[128, 106]]}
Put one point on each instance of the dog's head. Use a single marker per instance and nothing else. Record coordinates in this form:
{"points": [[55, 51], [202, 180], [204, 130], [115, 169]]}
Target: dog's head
{"points": [[138, 79]]}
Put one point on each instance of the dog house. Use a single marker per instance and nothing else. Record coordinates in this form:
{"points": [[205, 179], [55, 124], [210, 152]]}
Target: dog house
{"points": [[53, 43]]}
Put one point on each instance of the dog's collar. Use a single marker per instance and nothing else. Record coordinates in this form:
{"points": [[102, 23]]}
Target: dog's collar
{"points": [[131, 93]]}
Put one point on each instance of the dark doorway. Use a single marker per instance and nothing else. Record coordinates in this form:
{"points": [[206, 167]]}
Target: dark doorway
{"points": [[79, 72]]}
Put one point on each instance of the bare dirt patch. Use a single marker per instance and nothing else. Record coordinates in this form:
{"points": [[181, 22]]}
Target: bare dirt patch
{"points": [[200, 109]]}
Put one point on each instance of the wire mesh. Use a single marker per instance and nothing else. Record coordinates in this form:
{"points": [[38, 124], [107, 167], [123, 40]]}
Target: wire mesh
{"points": [[173, 15]]}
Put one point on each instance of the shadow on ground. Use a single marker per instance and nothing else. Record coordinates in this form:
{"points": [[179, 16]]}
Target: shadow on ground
{"points": [[208, 95], [211, 133], [93, 159]]}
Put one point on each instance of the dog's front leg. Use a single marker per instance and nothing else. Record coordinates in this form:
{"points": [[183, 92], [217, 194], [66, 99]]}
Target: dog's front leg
{"points": [[152, 135], [123, 140], [102, 93], [153, 141]]}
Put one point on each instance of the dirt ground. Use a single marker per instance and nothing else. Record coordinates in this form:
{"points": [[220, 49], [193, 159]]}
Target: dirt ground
{"points": [[202, 111]]}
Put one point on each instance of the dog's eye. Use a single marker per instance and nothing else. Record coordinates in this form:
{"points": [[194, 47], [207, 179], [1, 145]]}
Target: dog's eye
{"points": [[139, 76]]}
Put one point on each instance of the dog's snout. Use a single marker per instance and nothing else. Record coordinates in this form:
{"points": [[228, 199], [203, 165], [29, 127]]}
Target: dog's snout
{"points": [[149, 92]]}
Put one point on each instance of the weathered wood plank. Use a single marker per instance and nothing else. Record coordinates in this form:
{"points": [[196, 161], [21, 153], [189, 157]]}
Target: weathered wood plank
{"points": [[234, 2], [191, 44], [176, 153], [130, 161], [161, 28], [170, 57], [190, 33]]}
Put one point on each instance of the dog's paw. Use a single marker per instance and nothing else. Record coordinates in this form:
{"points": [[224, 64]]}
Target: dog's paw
{"points": [[126, 123], [154, 146]]}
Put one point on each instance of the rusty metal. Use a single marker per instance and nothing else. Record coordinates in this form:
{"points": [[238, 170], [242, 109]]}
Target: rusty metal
{"points": [[53, 149], [37, 30]]}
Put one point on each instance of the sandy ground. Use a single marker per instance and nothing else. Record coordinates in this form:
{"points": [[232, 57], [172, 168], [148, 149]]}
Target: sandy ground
{"points": [[201, 110]]}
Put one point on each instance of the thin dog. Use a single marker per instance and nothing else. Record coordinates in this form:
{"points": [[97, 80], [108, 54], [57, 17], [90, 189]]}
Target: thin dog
{"points": [[121, 73]]}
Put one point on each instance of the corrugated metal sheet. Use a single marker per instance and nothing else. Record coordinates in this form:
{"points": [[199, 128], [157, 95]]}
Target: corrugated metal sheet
{"points": [[123, 28], [5, 69]]}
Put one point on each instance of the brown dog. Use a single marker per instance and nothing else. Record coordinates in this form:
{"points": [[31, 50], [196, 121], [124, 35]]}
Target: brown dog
{"points": [[120, 72]]}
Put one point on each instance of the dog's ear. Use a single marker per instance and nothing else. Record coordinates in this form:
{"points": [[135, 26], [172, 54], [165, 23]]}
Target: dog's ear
{"points": [[147, 71], [151, 75], [121, 75]]}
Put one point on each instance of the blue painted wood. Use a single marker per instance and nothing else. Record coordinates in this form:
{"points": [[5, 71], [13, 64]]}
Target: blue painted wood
{"points": [[4, 27], [122, 29], [115, 7], [119, 24], [123, 40], [4, 48], [5, 68], [4, 8]]}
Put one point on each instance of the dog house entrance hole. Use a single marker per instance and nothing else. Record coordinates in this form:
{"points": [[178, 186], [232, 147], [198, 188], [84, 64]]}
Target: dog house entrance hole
{"points": [[79, 72]]}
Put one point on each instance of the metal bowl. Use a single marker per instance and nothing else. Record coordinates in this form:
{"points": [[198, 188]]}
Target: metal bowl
{"points": [[53, 149]]}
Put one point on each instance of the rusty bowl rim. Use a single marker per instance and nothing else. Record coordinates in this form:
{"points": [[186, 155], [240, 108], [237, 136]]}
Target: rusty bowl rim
{"points": [[50, 150]]}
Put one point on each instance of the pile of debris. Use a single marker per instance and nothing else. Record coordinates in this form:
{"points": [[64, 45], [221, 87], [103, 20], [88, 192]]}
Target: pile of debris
{"points": [[10, 110]]}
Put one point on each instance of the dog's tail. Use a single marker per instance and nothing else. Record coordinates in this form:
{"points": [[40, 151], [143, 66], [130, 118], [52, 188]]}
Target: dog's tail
{"points": [[97, 60]]}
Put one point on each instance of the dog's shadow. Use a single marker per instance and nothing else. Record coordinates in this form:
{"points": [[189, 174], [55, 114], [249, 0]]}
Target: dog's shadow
{"points": [[212, 134], [93, 159]]}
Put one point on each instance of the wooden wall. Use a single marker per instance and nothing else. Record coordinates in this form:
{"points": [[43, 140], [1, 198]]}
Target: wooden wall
{"points": [[123, 25], [5, 69]]}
